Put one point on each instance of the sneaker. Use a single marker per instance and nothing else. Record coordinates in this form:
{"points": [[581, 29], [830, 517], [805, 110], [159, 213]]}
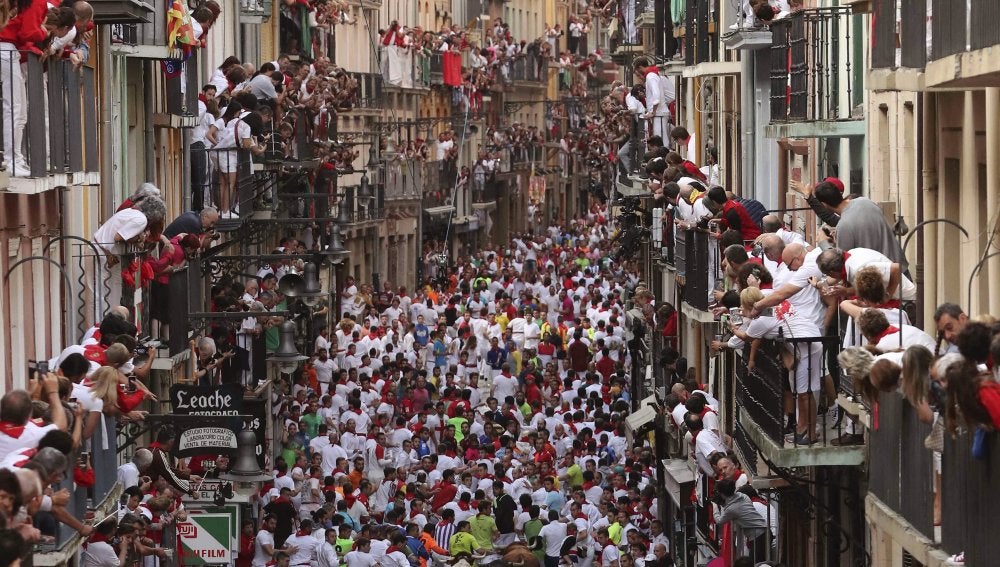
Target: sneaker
{"points": [[800, 439]]}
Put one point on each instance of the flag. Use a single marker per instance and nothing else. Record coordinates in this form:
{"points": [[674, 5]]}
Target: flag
{"points": [[171, 67], [180, 32]]}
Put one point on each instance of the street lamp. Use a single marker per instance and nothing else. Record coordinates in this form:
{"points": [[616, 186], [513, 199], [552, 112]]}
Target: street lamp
{"points": [[287, 357]]}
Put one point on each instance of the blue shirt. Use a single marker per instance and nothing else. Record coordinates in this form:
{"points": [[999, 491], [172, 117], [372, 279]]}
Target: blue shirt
{"points": [[421, 334]]}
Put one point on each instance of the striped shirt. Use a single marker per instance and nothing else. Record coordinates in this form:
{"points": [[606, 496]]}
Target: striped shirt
{"points": [[443, 532]]}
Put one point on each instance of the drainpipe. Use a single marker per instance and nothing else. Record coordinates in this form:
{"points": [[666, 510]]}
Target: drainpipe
{"points": [[928, 175], [748, 109], [107, 138], [149, 143]]}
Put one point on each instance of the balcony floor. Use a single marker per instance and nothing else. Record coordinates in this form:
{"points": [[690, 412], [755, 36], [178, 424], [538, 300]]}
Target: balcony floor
{"points": [[787, 455], [854, 127]]}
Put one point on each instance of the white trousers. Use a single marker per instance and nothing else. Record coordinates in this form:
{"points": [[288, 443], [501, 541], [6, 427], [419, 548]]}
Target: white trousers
{"points": [[15, 115]]}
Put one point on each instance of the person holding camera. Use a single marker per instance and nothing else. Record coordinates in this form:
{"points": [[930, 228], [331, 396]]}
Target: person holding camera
{"points": [[104, 549]]}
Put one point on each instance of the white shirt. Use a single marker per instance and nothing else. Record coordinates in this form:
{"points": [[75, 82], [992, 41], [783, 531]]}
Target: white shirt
{"points": [[324, 370], [261, 557], [128, 475], [127, 224], [359, 559], [99, 554], [911, 336], [29, 438], [306, 545], [553, 533], [860, 258], [326, 555]]}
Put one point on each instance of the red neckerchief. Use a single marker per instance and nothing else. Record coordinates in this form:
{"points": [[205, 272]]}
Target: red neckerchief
{"points": [[888, 331], [349, 500], [843, 271], [587, 485], [393, 548], [11, 430], [96, 537], [463, 506], [891, 304]]}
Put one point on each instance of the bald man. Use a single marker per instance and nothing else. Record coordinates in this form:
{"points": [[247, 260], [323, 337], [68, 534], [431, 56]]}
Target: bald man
{"points": [[773, 224], [797, 288]]}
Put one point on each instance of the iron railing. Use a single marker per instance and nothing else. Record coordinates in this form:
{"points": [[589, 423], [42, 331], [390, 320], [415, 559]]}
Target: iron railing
{"points": [[404, 179], [899, 34], [529, 68], [104, 458], [969, 500], [811, 61], [360, 209], [984, 21], [438, 178], [124, 34], [52, 126], [484, 189], [948, 28], [696, 255], [369, 94], [761, 390], [698, 44], [901, 472]]}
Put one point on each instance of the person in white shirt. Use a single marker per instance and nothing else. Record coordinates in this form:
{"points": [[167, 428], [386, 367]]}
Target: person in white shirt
{"points": [[304, 544], [130, 473], [100, 553], [361, 556], [842, 266], [326, 553], [553, 534]]}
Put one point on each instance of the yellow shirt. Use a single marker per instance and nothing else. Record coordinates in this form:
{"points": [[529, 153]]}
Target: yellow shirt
{"points": [[463, 542], [503, 320]]}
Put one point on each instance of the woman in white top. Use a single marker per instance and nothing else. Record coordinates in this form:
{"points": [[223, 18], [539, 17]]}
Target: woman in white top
{"points": [[222, 134]]}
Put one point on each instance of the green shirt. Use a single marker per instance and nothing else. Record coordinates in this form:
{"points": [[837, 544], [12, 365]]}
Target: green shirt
{"points": [[463, 542], [531, 529], [343, 546], [483, 527], [271, 337], [312, 421], [457, 422]]}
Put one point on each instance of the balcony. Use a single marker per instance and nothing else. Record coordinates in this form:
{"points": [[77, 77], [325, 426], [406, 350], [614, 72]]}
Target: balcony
{"points": [[696, 255], [485, 191], [370, 93], [964, 44], [812, 59], [101, 499], [528, 71], [699, 33], [404, 179], [901, 482], [437, 179], [759, 396], [361, 209], [645, 15], [56, 135], [146, 40], [402, 69]]}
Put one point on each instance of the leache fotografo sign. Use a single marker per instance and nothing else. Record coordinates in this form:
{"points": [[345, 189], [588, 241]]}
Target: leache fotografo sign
{"points": [[207, 400], [205, 539], [214, 403]]}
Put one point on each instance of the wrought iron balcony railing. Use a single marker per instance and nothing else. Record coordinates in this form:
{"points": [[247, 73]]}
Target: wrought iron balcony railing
{"points": [[811, 66], [899, 41], [54, 129]]}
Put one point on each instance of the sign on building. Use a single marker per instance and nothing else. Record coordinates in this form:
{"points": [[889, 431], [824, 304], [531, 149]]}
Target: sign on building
{"points": [[206, 539]]}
